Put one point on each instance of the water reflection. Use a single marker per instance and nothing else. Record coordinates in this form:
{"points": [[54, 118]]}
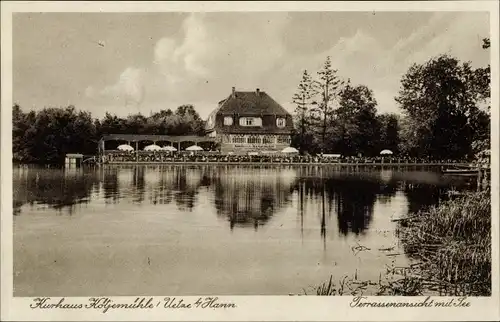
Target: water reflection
{"points": [[110, 186], [272, 230], [187, 181], [244, 196], [250, 198], [57, 189], [350, 196]]}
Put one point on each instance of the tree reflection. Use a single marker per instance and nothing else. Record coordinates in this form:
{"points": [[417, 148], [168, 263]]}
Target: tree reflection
{"points": [[323, 214], [138, 183], [245, 196], [351, 196], [355, 201], [110, 185], [55, 188], [301, 206], [421, 195]]}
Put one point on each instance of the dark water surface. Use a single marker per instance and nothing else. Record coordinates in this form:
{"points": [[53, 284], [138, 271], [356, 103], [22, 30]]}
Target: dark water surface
{"points": [[195, 230]]}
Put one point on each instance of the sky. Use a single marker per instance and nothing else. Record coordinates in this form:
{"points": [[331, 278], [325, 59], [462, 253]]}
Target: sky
{"points": [[126, 63]]}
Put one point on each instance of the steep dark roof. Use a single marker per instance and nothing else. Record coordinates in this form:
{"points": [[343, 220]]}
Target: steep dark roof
{"points": [[251, 103]]}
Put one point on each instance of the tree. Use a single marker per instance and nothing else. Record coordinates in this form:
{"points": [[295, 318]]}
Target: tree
{"points": [[389, 132], [47, 135], [480, 121], [303, 100], [440, 100], [480, 124], [408, 140], [327, 89], [19, 128], [187, 121], [111, 124], [357, 121], [136, 123], [51, 133]]}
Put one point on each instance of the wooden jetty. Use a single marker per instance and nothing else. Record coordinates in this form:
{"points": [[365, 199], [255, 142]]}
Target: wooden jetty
{"points": [[461, 172]]}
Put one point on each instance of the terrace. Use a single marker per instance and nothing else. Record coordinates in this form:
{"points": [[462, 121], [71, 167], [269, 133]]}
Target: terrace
{"points": [[140, 140], [120, 157]]}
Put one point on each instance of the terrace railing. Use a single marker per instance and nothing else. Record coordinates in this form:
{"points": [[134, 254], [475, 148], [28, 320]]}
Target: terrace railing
{"points": [[215, 157]]}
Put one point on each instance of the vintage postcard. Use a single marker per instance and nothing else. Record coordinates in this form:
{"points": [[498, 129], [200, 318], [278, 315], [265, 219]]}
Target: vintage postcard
{"points": [[262, 161]]}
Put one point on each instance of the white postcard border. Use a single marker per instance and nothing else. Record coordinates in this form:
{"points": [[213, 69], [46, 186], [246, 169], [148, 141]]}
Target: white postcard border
{"points": [[277, 308]]}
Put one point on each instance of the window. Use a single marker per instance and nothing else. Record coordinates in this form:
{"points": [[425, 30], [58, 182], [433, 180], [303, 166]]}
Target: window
{"points": [[268, 139], [228, 120], [284, 139], [239, 139], [250, 121], [280, 122], [254, 139]]}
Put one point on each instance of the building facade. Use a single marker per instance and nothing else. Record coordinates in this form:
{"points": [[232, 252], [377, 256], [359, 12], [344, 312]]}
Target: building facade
{"points": [[250, 122]]}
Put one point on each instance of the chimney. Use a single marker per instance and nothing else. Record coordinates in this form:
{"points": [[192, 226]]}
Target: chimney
{"points": [[257, 91], [233, 94]]}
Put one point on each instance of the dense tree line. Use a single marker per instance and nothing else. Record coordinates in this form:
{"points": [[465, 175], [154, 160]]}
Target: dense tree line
{"points": [[47, 135], [335, 116], [441, 104], [444, 105]]}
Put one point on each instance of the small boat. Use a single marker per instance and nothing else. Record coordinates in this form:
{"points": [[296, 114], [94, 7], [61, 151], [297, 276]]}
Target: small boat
{"points": [[463, 172]]}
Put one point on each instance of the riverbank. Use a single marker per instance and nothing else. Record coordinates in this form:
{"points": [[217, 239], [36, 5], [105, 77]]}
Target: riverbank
{"points": [[453, 242], [450, 245]]}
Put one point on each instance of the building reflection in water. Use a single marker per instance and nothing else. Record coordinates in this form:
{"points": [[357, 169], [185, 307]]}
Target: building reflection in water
{"points": [[248, 197], [187, 181], [177, 184]]}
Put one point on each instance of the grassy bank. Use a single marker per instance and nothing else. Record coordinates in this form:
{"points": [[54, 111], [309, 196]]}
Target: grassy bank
{"points": [[453, 242], [451, 248]]}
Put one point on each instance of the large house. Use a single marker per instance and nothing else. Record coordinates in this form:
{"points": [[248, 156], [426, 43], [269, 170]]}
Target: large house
{"points": [[250, 122]]}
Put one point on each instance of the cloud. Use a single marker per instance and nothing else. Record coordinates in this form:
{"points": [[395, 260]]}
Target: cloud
{"points": [[363, 59], [460, 36], [215, 51], [218, 51], [222, 46], [129, 88], [358, 57]]}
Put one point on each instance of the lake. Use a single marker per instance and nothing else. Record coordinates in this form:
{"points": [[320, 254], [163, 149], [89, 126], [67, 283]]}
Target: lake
{"points": [[211, 229]]}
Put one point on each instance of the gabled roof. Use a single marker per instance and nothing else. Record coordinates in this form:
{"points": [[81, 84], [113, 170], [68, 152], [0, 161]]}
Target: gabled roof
{"points": [[251, 103]]}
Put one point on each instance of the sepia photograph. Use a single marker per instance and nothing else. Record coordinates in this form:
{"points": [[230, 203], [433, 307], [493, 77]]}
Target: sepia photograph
{"points": [[245, 153]]}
